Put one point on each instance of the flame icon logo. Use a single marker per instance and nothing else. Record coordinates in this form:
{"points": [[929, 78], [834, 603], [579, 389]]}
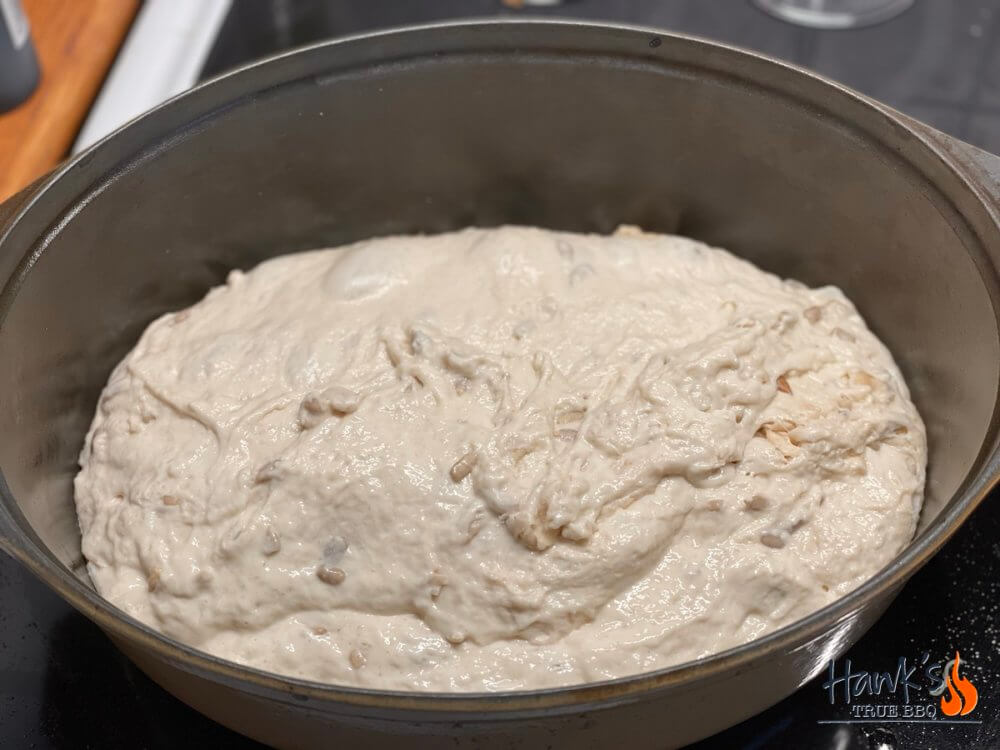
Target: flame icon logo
{"points": [[962, 694]]}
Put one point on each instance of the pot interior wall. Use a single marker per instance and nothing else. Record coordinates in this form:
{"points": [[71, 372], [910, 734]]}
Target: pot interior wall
{"points": [[579, 142]]}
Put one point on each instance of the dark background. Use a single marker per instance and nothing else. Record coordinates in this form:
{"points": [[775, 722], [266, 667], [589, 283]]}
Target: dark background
{"points": [[63, 685]]}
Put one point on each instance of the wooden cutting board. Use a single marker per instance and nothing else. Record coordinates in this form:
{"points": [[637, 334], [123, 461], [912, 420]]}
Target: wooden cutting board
{"points": [[76, 42]]}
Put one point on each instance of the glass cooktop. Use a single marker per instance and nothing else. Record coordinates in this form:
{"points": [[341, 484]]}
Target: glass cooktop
{"points": [[938, 61]]}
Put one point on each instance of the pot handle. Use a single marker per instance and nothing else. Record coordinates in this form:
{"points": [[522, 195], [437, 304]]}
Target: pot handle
{"points": [[981, 164], [988, 167]]}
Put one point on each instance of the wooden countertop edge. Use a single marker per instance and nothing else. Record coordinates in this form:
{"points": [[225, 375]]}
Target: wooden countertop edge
{"points": [[76, 44]]}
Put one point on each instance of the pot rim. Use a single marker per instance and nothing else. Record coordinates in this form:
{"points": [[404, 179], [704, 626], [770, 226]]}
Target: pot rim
{"points": [[17, 539]]}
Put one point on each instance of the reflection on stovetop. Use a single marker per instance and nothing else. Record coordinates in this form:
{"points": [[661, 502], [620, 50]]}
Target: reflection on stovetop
{"points": [[62, 684], [938, 62]]}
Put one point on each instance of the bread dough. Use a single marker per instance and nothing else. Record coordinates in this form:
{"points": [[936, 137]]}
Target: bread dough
{"points": [[497, 459]]}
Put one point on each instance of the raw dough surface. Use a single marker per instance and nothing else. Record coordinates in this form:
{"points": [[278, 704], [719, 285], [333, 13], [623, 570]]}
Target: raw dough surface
{"points": [[497, 459]]}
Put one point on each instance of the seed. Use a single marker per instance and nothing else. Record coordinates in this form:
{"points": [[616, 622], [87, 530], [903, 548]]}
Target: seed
{"points": [[570, 415], [783, 385], [437, 582], [153, 579], [714, 505], [320, 631], [331, 576], [170, 500], [312, 412], [272, 542], [863, 378], [813, 314], [475, 524], [463, 466], [357, 659], [772, 540], [840, 333], [341, 400], [313, 405], [757, 502]]}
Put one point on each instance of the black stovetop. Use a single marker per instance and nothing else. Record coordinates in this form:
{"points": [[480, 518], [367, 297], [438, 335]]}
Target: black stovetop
{"points": [[62, 684]]}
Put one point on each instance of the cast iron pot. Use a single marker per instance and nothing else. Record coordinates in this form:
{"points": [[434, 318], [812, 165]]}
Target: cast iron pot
{"points": [[564, 125]]}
